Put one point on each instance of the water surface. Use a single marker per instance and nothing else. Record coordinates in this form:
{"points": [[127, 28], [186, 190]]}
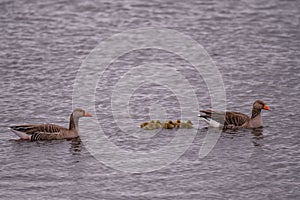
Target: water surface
{"points": [[254, 44]]}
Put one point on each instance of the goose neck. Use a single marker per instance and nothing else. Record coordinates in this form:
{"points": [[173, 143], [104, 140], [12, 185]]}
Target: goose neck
{"points": [[73, 122], [255, 112]]}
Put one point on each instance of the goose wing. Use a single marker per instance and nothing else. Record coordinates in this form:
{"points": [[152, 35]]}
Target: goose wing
{"points": [[226, 118], [236, 118], [30, 129]]}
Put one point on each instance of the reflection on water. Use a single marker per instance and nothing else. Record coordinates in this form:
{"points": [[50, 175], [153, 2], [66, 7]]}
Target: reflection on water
{"points": [[257, 132], [257, 136], [76, 145]]}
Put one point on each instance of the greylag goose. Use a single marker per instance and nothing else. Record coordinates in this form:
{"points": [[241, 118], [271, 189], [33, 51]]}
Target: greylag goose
{"points": [[50, 131], [235, 120]]}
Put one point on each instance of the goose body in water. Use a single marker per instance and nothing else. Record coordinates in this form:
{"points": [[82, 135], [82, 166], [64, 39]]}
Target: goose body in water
{"points": [[34, 132], [235, 120]]}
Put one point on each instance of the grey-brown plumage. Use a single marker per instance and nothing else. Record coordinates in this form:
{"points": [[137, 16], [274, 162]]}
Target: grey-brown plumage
{"points": [[36, 132], [235, 119]]}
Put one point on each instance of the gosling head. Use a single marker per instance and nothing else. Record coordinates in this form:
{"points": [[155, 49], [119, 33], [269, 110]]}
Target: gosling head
{"points": [[144, 124], [170, 122], [189, 122]]}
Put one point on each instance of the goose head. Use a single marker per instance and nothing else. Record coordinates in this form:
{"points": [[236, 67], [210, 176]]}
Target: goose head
{"points": [[78, 112], [259, 104]]}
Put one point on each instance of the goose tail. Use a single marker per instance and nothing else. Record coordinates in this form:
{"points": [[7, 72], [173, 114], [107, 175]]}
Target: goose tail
{"points": [[20, 133], [210, 122]]}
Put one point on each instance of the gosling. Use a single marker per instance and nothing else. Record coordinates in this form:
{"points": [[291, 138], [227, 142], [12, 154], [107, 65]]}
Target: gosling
{"points": [[151, 125], [177, 123], [188, 124], [168, 125], [144, 124]]}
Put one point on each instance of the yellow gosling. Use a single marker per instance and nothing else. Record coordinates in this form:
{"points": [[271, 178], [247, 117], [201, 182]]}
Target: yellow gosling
{"points": [[150, 126], [144, 124], [153, 124], [168, 125], [177, 123], [157, 124], [188, 124]]}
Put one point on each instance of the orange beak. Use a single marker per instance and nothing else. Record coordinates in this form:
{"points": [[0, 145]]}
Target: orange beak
{"points": [[86, 114], [266, 107]]}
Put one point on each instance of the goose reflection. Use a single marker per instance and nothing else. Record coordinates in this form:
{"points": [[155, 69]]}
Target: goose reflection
{"points": [[257, 136], [76, 145]]}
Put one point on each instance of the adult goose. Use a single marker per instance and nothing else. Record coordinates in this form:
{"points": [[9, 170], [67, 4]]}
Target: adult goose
{"points": [[51, 131], [235, 120]]}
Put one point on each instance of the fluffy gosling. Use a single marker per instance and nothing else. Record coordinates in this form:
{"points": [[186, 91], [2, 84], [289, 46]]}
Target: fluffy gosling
{"points": [[188, 124], [168, 125]]}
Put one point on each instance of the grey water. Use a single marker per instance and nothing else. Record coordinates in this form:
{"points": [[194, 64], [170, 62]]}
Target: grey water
{"points": [[255, 46]]}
